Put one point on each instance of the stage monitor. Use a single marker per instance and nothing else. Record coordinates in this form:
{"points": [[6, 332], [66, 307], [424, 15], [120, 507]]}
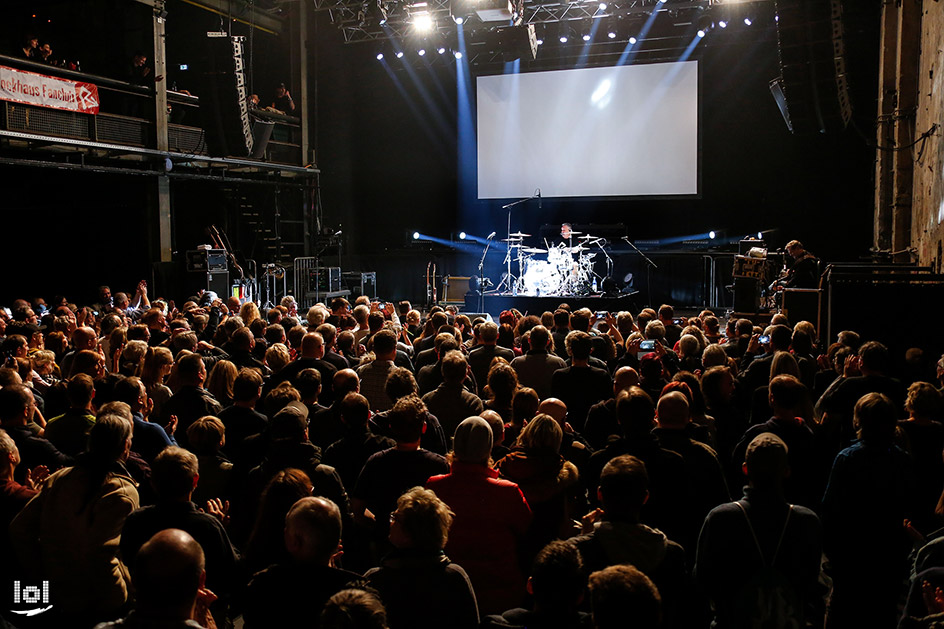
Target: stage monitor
{"points": [[593, 132]]}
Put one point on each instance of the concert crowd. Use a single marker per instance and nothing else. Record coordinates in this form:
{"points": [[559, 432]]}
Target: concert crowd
{"points": [[368, 465]]}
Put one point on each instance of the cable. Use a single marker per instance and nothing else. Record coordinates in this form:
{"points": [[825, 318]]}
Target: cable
{"points": [[922, 138]]}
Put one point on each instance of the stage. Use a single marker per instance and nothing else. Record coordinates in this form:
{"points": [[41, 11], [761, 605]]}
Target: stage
{"points": [[495, 303]]}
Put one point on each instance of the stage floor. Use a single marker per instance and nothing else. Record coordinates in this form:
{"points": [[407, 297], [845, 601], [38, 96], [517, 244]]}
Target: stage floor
{"points": [[495, 304]]}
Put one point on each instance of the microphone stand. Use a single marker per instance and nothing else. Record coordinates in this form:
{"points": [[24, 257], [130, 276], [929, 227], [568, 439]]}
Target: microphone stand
{"points": [[508, 276], [482, 276], [652, 265]]}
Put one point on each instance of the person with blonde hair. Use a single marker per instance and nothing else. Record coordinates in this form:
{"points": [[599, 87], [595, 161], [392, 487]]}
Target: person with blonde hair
{"points": [[249, 312], [548, 481], [220, 382], [157, 365], [420, 586]]}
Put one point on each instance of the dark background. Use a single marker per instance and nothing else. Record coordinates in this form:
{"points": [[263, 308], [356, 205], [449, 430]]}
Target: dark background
{"points": [[387, 171]]}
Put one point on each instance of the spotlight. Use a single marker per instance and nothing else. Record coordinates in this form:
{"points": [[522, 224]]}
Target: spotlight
{"points": [[421, 52], [399, 54], [458, 55], [459, 20], [540, 42], [563, 39], [441, 50], [701, 33], [777, 18], [586, 37], [711, 234], [380, 56], [416, 235], [632, 40], [748, 21], [423, 22], [760, 235], [611, 34], [461, 235], [722, 24], [603, 6]]}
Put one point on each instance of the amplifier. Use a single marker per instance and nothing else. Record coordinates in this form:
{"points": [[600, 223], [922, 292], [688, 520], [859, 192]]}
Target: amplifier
{"points": [[207, 260], [361, 283], [324, 279], [745, 266], [454, 289]]}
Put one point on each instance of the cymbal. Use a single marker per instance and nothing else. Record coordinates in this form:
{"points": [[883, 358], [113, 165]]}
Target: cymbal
{"points": [[585, 236], [578, 249], [534, 250], [573, 233], [519, 235], [511, 239]]}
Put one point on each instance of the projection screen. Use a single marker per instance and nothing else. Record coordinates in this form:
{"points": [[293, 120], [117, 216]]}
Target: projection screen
{"points": [[591, 132]]}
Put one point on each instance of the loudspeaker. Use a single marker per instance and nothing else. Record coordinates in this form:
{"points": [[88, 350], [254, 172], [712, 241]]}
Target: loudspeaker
{"points": [[216, 281], [454, 289], [224, 104], [746, 294], [812, 90], [801, 304]]}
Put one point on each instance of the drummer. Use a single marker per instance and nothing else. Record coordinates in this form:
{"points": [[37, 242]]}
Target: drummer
{"points": [[566, 234]]}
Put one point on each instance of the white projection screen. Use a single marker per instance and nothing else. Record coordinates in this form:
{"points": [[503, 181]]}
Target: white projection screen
{"points": [[592, 132]]}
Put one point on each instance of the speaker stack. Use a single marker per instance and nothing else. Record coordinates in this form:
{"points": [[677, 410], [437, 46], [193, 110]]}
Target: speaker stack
{"points": [[812, 90], [224, 103]]}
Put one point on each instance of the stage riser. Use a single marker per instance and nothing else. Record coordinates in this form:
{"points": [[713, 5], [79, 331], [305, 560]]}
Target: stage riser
{"points": [[495, 304]]}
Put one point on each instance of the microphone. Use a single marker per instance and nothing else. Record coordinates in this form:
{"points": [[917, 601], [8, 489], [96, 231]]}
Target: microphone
{"points": [[337, 233], [490, 236]]}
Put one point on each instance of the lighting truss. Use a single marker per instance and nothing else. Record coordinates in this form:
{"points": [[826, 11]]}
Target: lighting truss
{"points": [[344, 14]]}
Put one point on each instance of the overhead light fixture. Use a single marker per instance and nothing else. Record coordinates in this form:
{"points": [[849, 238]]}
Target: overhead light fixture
{"points": [[457, 54], [486, 10], [380, 56], [441, 50], [586, 37], [723, 23], [422, 21], [399, 54], [421, 52], [462, 235], [632, 41], [459, 19], [701, 33], [602, 6], [748, 21], [416, 235]]}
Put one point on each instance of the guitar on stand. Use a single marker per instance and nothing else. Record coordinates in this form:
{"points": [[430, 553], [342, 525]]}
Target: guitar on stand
{"points": [[431, 297]]}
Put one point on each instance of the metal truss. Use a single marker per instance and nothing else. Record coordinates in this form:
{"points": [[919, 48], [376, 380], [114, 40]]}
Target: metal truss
{"points": [[352, 18]]}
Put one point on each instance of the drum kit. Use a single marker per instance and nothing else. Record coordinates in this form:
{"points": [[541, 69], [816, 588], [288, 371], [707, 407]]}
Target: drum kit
{"points": [[566, 271]]}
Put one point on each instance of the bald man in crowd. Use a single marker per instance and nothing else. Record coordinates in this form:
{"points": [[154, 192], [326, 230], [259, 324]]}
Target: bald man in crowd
{"points": [[601, 419]]}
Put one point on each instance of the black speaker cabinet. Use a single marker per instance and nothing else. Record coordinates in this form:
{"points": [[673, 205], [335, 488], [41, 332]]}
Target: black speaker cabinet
{"points": [[801, 304], [224, 104]]}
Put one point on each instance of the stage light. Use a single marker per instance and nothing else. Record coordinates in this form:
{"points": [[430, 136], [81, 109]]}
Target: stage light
{"points": [[586, 37], [722, 24], [747, 21], [461, 235], [399, 54], [611, 34], [701, 33], [459, 20], [563, 39], [421, 52], [380, 56], [603, 6], [423, 22], [711, 234], [776, 18], [458, 55], [441, 50], [760, 235], [416, 235], [632, 40], [540, 42]]}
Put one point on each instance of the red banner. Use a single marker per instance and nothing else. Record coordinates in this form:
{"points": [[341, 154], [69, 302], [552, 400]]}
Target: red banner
{"points": [[30, 88]]}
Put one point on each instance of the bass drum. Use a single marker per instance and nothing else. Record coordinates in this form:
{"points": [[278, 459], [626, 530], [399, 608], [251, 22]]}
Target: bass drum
{"points": [[541, 278]]}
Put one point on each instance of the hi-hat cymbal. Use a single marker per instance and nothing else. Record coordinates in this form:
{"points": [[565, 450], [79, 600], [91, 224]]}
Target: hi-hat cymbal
{"points": [[519, 235], [573, 233], [534, 250]]}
